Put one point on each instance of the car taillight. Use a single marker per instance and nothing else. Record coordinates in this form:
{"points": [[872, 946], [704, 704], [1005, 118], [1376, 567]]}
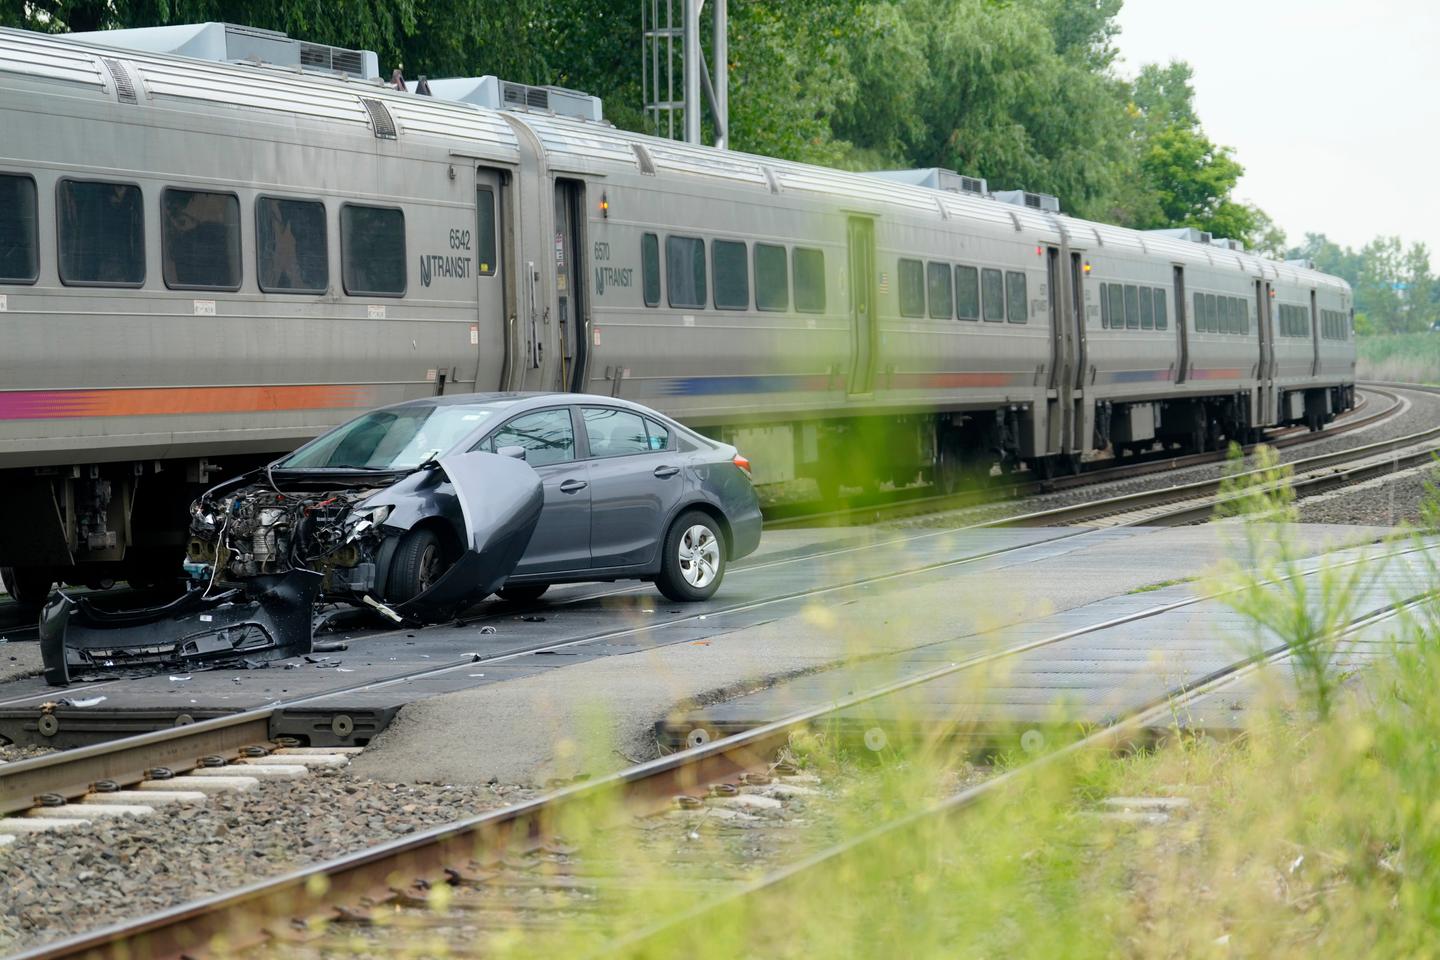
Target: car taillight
{"points": [[743, 462]]}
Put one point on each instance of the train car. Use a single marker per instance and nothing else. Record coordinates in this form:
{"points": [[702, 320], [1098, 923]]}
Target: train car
{"points": [[216, 242]]}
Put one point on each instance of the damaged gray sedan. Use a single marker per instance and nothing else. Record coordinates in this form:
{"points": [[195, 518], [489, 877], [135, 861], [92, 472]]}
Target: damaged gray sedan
{"points": [[422, 509]]}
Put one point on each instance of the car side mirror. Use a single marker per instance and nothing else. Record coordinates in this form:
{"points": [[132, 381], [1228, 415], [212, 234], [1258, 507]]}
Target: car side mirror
{"points": [[514, 453]]}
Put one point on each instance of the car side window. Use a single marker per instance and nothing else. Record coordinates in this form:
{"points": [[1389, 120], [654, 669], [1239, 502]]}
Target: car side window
{"points": [[547, 436], [659, 436], [614, 433]]}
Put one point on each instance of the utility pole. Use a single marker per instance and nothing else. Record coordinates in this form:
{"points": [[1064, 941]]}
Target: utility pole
{"points": [[660, 32]]}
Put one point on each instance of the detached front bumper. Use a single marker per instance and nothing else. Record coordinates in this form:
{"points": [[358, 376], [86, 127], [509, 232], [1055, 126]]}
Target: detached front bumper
{"points": [[269, 620]]}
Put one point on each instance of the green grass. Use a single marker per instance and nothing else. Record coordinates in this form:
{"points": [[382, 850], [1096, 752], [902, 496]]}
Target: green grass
{"points": [[1404, 357], [1162, 584]]}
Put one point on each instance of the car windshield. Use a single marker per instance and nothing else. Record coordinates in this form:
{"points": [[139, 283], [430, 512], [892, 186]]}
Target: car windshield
{"points": [[397, 439]]}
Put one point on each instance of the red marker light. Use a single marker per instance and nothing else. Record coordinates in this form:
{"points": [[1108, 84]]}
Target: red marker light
{"points": [[1039, 251], [743, 462]]}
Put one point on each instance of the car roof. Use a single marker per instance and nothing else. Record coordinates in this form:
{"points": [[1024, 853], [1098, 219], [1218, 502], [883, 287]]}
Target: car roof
{"points": [[520, 400]]}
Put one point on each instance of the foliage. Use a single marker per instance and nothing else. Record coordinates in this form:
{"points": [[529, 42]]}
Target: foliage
{"points": [[1394, 286], [1407, 357], [1021, 92]]}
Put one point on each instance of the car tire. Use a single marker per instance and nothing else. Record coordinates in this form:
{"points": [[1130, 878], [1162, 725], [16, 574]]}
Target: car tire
{"points": [[29, 587], [692, 563], [522, 592], [420, 560]]}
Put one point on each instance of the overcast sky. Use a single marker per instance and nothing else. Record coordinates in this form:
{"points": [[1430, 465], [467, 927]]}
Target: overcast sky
{"points": [[1331, 105]]}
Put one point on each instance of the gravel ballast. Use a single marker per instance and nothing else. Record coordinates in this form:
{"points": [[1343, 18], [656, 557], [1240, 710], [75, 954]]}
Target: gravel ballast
{"points": [[60, 884]]}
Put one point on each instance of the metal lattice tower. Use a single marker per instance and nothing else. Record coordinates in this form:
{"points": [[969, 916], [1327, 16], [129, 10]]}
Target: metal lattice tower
{"points": [[657, 70]]}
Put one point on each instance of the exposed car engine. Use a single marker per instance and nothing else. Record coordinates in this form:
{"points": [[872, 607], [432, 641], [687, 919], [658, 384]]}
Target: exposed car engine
{"points": [[257, 530]]}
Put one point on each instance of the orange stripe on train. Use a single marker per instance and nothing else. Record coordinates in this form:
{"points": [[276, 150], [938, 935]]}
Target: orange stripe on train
{"points": [[177, 401]]}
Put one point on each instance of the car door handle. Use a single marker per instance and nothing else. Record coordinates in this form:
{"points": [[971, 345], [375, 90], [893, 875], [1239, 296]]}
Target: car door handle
{"points": [[665, 473], [573, 486]]}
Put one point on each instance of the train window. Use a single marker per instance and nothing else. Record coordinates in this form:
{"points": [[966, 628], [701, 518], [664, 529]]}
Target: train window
{"points": [[772, 278], [729, 260], [1160, 321], [992, 285], [102, 234], [912, 288], [1212, 310], [942, 301], [200, 240], [1117, 306], [19, 237], [1227, 316], [967, 293], [1105, 305], [1132, 307], [1304, 317], [650, 268], [372, 251], [685, 271], [292, 253], [1241, 320], [1016, 297], [485, 258], [1147, 309], [809, 269], [1199, 312]]}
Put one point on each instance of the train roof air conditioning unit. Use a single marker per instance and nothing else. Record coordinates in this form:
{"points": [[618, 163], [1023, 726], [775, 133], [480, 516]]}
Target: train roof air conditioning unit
{"points": [[1228, 244], [232, 43], [497, 94], [1024, 198], [1303, 262], [936, 178], [1192, 234]]}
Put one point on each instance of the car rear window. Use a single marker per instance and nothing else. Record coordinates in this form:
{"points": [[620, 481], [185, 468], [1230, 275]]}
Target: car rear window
{"points": [[615, 433]]}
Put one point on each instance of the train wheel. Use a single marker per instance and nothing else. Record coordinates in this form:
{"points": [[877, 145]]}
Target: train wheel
{"points": [[29, 586]]}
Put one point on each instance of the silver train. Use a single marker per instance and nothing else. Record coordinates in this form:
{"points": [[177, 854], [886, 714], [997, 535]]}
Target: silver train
{"points": [[212, 252]]}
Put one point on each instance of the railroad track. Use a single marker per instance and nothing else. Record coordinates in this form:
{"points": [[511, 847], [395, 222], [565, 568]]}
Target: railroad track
{"points": [[512, 869], [920, 501]]}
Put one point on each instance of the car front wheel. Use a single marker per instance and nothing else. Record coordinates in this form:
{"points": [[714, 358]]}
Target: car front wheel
{"points": [[419, 562], [693, 563]]}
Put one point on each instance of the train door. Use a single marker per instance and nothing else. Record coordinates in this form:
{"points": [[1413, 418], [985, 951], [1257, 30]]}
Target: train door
{"points": [[1265, 407], [573, 328], [1061, 419], [861, 237], [1084, 429], [1182, 324], [490, 335]]}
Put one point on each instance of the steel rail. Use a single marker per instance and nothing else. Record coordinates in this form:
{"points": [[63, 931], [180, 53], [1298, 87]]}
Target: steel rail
{"points": [[1196, 501], [292, 906], [1158, 713]]}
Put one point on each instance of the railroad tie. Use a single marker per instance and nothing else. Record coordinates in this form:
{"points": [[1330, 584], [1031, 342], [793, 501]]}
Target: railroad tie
{"points": [[88, 812], [157, 797], [257, 771], [207, 784], [17, 825]]}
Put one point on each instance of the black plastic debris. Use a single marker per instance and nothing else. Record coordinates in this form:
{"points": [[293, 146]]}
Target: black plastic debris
{"points": [[269, 619]]}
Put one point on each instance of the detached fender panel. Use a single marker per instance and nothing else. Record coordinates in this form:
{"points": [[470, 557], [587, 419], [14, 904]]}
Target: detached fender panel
{"points": [[491, 502]]}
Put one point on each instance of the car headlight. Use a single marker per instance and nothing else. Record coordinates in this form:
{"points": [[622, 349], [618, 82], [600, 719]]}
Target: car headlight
{"points": [[364, 518]]}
